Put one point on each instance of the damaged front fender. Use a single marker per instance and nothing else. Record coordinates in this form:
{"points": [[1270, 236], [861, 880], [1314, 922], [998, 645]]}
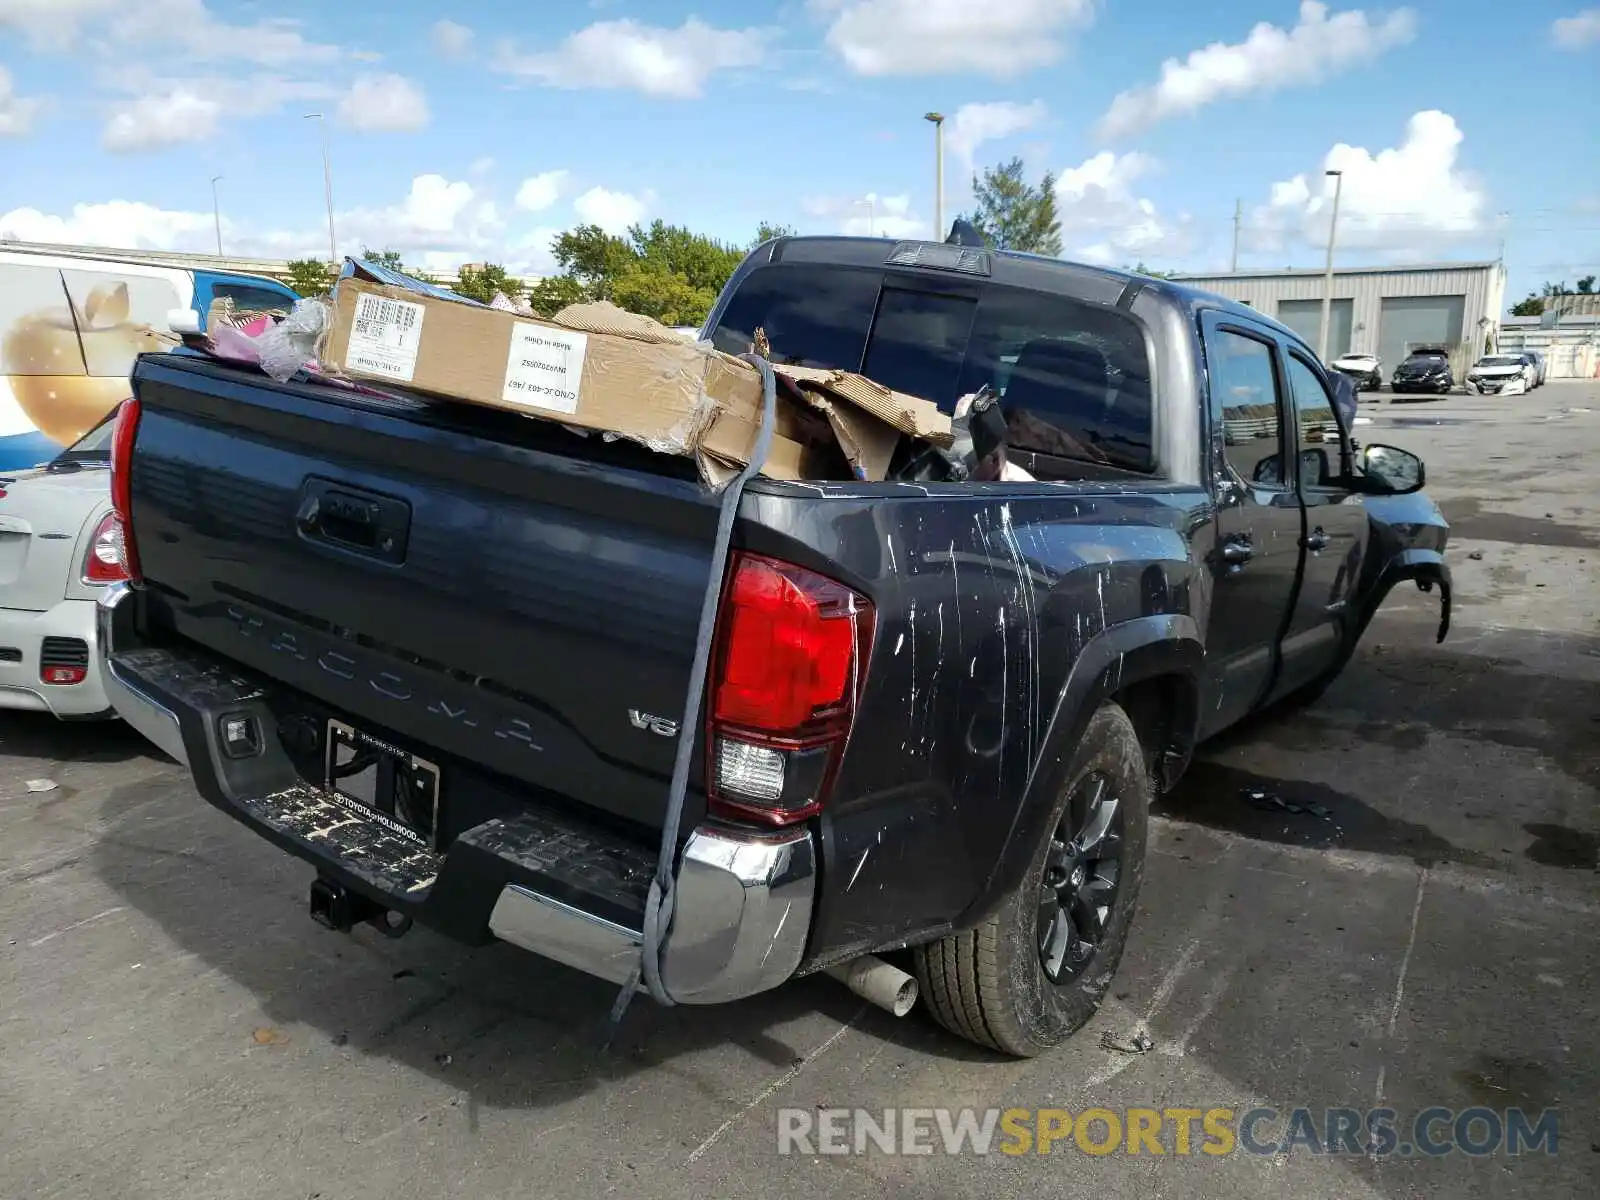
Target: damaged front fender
{"points": [[1409, 535]]}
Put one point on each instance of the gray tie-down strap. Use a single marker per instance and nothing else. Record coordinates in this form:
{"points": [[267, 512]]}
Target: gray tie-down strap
{"points": [[659, 902]]}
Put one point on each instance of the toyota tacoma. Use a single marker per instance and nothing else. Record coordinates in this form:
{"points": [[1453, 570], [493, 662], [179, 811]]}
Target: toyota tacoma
{"points": [[441, 652]]}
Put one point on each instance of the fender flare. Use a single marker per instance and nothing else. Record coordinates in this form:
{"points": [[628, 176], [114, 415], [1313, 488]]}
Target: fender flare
{"points": [[1127, 653], [1426, 568]]}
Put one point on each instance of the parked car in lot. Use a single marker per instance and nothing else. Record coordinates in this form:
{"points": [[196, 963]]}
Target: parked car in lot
{"points": [[1424, 371], [1535, 360], [56, 557], [70, 326], [1494, 374], [935, 713], [1365, 369]]}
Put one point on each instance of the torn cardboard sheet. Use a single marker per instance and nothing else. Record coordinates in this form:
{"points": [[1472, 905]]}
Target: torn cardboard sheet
{"points": [[867, 418], [907, 414]]}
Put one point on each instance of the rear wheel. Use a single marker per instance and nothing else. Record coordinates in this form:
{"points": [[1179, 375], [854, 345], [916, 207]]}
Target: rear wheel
{"points": [[1033, 974]]}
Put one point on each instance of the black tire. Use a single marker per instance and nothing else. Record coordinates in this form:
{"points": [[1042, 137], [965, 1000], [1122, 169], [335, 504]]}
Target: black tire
{"points": [[989, 984]]}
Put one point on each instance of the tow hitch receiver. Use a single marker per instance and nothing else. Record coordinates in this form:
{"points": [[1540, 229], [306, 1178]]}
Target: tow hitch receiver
{"points": [[338, 908]]}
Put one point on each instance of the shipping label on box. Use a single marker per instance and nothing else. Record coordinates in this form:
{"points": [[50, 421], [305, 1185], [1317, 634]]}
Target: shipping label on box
{"points": [[544, 369], [385, 335]]}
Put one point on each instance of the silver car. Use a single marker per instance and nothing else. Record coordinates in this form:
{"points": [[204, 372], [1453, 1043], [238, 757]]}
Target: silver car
{"points": [[55, 527]]}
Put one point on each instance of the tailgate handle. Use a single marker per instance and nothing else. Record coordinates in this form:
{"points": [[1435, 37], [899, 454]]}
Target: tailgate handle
{"points": [[353, 519]]}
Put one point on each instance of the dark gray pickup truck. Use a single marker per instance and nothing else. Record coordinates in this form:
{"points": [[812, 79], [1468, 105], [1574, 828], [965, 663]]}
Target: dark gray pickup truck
{"points": [[442, 652]]}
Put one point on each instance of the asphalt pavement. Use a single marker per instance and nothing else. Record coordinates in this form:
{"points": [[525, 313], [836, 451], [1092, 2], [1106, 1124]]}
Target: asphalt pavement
{"points": [[1404, 917]]}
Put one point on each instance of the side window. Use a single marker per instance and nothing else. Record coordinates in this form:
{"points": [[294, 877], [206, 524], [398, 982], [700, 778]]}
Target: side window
{"points": [[1243, 383], [1319, 425], [247, 298]]}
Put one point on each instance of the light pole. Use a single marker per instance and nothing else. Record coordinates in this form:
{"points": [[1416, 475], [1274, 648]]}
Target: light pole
{"points": [[216, 213], [872, 214], [327, 186], [938, 173], [1327, 272]]}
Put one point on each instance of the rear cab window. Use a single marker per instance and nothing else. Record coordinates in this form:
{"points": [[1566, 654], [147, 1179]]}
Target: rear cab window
{"points": [[1073, 378]]}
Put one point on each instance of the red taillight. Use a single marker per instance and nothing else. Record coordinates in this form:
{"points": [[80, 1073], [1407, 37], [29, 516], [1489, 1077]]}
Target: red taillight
{"points": [[103, 563], [63, 674], [122, 435], [791, 647]]}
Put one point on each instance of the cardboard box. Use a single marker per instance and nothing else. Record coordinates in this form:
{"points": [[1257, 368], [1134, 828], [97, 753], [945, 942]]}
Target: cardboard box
{"points": [[597, 367]]}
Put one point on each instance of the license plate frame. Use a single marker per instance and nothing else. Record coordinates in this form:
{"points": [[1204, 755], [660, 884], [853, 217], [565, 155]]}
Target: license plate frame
{"points": [[375, 780]]}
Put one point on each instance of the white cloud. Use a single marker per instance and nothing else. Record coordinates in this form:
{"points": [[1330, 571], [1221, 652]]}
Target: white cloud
{"points": [[450, 39], [186, 27], [1269, 59], [974, 124], [121, 223], [481, 166], [1577, 31], [1408, 199], [16, 112], [384, 104], [670, 63], [870, 215], [531, 256], [539, 192], [927, 37], [159, 120], [612, 211], [1104, 220], [51, 25]]}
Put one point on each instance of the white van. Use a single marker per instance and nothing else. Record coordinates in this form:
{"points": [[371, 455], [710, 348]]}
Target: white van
{"points": [[71, 325]]}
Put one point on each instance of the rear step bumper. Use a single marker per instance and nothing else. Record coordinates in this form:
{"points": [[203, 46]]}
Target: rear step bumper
{"points": [[540, 880]]}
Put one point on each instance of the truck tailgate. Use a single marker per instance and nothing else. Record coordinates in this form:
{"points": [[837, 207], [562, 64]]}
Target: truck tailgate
{"points": [[441, 574]]}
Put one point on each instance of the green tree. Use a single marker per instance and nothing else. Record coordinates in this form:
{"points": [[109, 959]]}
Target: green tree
{"points": [[1533, 306], [766, 231], [481, 283], [668, 296], [703, 262], [660, 270], [593, 257], [309, 276], [384, 258], [1013, 214], [1140, 269], [1586, 286], [553, 293]]}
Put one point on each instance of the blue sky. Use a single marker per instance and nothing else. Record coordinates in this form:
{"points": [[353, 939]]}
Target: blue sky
{"points": [[1457, 123]]}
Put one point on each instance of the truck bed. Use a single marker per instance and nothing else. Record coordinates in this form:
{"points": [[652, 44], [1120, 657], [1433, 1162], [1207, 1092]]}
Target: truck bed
{"points": [[496, 589]]}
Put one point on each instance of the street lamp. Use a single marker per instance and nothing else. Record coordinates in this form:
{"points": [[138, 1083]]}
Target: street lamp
{"points": [[1327, 272], [872, 211], [327, 185], [938, 168], [216, 213]]}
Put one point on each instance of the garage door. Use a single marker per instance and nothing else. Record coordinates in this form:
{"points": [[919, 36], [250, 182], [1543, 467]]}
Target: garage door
{"points": [[1406, 321], [1305, 318]]}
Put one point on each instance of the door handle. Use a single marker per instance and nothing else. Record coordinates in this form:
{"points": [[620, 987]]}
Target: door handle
{"points": [[1236, 553], [1315, 540]]}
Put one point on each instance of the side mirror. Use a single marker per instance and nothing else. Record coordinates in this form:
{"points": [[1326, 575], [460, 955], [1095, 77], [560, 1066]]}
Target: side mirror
{"points": [[1392, 470], [183, 321]]}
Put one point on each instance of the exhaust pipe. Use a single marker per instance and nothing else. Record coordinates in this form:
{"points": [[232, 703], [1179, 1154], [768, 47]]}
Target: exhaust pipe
{"points": [[869, 977]]}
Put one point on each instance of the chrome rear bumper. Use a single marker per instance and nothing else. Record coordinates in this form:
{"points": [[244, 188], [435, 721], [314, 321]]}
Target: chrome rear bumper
{"points": [[744, 898]]}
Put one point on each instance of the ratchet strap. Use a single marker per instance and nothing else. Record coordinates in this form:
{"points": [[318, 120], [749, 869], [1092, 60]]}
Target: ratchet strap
{"points": [[659, 902]]}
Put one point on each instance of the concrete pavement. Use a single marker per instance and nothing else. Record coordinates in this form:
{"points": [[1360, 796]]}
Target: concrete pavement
{"points": [[1423, 931]]}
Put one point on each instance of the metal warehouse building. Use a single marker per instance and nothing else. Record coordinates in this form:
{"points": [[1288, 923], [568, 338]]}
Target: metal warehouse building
{"points": [[1380, 310]]}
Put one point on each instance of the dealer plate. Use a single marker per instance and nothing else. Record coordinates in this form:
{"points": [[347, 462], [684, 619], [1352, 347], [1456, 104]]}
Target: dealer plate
{"points": [[383, 783]]}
